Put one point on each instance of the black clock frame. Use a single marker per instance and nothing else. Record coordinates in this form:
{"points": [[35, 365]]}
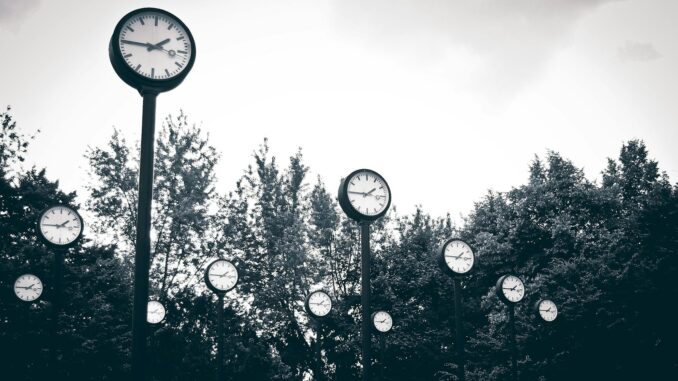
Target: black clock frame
{"points": [[500, 292], [374, 327], [164, 316], [536, 310], [132, 78], [209, 284], [39, 296], [345, 203], [56, 245], [443, 264], [307, 308]]}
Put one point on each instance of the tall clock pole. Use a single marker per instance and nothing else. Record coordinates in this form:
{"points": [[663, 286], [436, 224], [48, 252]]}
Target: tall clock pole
{"points": [[366, 264], [459, 342], [220, 339], [142, 257], [512, 342]]}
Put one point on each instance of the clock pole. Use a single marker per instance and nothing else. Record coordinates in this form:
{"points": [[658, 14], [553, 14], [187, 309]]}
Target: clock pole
{"points": [[459, 342], [512, 342], [56, 307], [366, 264], [142, 257], [220, 339]]}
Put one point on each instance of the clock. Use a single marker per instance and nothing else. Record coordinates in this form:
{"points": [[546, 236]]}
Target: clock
{"points": [[318, 304], [364, 195], [152, 50], [456, 257], [382, 321], [510, 289], [156, 312], [60, 226], [28, 287], [221, 276], [547, 310]]}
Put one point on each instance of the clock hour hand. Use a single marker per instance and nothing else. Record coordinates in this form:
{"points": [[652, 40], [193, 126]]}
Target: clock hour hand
{"points": [[158, 45]]}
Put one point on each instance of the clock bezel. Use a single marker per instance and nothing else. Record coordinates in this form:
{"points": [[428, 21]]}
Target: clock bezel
{"points": [[42, 292], [136, 80], [443, 264], [537, 311], [500, 291], [49, 243], [374, 326], [307, 306], [345, 203], [212, 287], [164, 316]]}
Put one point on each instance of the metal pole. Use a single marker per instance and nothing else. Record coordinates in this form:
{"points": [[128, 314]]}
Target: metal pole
{"points": [[142, 259], [220, 340], [382, 355], [56, 308], [365, 298], [318, 353], [459, 342], [512, 341]]}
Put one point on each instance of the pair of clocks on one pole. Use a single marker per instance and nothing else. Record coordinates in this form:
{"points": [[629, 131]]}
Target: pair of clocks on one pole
{"points": [[59, 227], [318, 304]]}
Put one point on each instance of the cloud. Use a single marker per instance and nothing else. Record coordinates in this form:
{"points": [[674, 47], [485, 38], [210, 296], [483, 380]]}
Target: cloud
{"points": [[12, 12], [638, 51], [509, 42]]}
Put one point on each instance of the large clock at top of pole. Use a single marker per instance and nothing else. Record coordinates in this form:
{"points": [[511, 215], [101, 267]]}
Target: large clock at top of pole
{"points": [[152, 50], [456, 257], [510, 289], [364, 195], [60, 226]]}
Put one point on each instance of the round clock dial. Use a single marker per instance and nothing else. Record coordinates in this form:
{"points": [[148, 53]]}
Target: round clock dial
{"points": [[364, 195], [60, 225], [382, 321], [547, 310], [155, 45], [513, 288], [156, 312], [319, 304], [458, 256], [28, 287], [222, 275]]}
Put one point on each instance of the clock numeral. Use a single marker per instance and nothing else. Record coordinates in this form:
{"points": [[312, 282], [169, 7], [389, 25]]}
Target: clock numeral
{"points": [[128, 55], [180, 38], [130, 28], [152, 72], [141, 20], [167, 72], [178, 64], [156, 20], [182, 52], [137, 68], [170, 26]]}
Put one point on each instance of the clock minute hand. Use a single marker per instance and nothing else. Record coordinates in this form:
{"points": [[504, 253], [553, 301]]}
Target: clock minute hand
{"points": [[146, 44]]}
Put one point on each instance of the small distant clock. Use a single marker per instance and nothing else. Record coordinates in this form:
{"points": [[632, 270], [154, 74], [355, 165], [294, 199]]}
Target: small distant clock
{"points": [[382, 321], [152, 50], [156, 312], [364, 195], [547, 310], [318, 304], [456, 257], [510, 289], [28, 287], [60, 226], [221, 276]]}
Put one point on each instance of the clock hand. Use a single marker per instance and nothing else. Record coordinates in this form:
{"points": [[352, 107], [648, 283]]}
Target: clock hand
{"points": [[145, 44], [64, 224], [370, 192], [360, 193], [158, 45]]}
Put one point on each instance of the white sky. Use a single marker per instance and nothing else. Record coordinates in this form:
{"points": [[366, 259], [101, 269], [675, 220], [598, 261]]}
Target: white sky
{"points": [[444, 98]]}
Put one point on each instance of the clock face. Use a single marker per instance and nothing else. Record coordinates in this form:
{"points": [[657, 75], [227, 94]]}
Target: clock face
{"points": [[368, 193], [60, 225], [458, 256], [28, 287], [155, 45], [548, 310], [222, 275], [513, 289], [156, 312], [382, 321], [319, 303]]}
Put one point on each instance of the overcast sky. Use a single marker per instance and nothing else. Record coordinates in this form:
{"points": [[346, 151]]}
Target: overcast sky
{"points": [[454, 97]]}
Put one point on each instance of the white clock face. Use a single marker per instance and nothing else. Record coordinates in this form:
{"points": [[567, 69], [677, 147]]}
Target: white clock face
{"points": [[156, 312], [513, 288], [382, 321], [60, 225], [319, 303], [223, 275], [459, 256], [368, 193], [28, 287], [548, 310], [154, 45]]}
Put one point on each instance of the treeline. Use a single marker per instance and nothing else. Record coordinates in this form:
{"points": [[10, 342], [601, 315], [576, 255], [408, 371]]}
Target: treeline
{"points": [[605, 252]]}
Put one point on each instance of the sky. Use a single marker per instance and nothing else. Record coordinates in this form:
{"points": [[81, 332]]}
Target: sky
{"points": [[446, 99]]}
